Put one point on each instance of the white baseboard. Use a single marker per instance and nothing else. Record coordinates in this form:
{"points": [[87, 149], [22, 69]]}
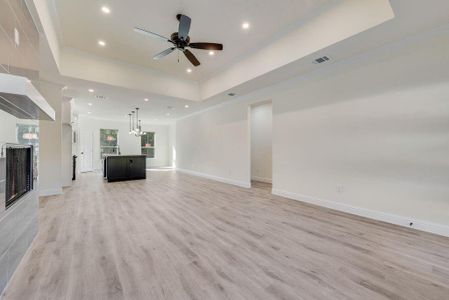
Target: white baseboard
{"points": [[216, 178], [261, 179], [368, 213], [50, 192]]}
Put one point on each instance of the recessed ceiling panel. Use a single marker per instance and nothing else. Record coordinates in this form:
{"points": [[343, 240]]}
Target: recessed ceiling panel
{"points": [[83, 24]]}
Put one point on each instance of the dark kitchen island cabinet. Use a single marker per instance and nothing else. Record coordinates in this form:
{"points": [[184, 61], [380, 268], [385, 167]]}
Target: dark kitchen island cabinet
{"points": [[124, 167]]}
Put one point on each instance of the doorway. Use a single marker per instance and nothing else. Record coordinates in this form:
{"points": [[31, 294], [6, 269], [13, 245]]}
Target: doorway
{"points": [[261, 123], [87, 141]]}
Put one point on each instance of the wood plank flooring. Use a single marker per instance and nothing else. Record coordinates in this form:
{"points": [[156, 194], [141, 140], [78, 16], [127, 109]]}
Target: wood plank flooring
{"points": [[176, 236]]}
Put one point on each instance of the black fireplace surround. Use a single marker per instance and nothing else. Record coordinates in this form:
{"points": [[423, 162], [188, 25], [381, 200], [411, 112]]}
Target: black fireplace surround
{"points": [[17, 173]]}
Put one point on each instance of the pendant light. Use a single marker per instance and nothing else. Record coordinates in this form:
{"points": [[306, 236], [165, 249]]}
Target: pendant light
{"points": [[135, 125]]}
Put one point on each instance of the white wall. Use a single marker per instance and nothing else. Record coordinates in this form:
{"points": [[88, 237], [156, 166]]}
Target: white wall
{"points": [[172, 145], [50, 155], [129, 144], [261, 142], [216, 143], [66, 155], [66, 139], [368, 136], [8, 125]]}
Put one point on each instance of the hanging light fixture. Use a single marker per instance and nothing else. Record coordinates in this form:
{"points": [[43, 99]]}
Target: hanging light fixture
{"points": [[30, 135], [135, 125], [130, 125]]}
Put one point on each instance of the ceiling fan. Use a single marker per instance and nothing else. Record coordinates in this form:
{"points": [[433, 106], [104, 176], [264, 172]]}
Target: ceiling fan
{"points": [[181, 41]]}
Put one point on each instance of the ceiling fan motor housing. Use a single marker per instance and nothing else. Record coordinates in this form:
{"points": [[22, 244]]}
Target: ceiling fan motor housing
{"points": [[180, 43]]}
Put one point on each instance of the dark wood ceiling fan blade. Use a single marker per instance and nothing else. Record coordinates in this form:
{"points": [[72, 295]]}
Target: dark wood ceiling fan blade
{"points": [[164, 53], [206, 46], [184, 27], [151, 34], [191, 58]]}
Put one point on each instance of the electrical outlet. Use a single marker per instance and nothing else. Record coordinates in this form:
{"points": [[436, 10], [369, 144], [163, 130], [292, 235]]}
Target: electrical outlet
{"points": [[340, 189]]}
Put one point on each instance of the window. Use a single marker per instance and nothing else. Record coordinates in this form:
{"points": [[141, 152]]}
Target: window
{"points": [[28, 134], [147, 144], [108, 141]]}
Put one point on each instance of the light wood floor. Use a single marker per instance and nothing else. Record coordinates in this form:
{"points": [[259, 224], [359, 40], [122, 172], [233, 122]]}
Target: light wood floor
{"points": [[175, 236]]}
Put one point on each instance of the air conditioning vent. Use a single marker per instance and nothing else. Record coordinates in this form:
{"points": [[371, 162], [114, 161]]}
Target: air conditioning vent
{"points": [[322, 59]]}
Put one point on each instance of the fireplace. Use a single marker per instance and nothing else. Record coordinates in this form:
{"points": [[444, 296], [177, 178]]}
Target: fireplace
{"points": [[16, 162]]}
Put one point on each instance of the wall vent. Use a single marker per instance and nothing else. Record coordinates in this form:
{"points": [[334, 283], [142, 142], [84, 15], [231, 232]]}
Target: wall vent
{"points": [[100, 97], [321, 60]]}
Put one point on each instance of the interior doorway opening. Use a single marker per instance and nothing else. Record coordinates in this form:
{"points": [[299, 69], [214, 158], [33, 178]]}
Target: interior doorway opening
{"points": [[261, 128], [87, 141]]}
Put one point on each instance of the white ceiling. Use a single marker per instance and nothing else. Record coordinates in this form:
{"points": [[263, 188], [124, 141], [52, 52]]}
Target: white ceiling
{"points": [[409, 21], [82, 24], [115, 102]]}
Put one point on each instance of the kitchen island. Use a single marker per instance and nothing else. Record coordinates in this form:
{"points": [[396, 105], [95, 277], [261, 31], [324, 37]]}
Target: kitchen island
{"points": [[124, 167]]}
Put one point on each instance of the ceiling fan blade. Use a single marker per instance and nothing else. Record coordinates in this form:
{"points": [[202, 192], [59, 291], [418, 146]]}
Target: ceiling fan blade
{"points": [[191, 58], [164, 53], [184, 27], [151, 34], [206, 46]]}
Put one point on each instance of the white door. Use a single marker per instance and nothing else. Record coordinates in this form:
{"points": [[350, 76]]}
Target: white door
{"points": [[87, 141]]}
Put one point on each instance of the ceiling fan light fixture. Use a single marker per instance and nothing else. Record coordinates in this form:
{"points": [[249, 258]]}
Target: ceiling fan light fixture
{"points": [[189, 70], [211, 53]]}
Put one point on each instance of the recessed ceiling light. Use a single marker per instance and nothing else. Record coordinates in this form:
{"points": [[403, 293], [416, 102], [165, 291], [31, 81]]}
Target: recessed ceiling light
{"points": [[90, 104], [245, 25], [101, 43], [211, 53], [105, 9], [91, 90], [88, 112], [189, 70], [186, 106], [146, 99]]}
